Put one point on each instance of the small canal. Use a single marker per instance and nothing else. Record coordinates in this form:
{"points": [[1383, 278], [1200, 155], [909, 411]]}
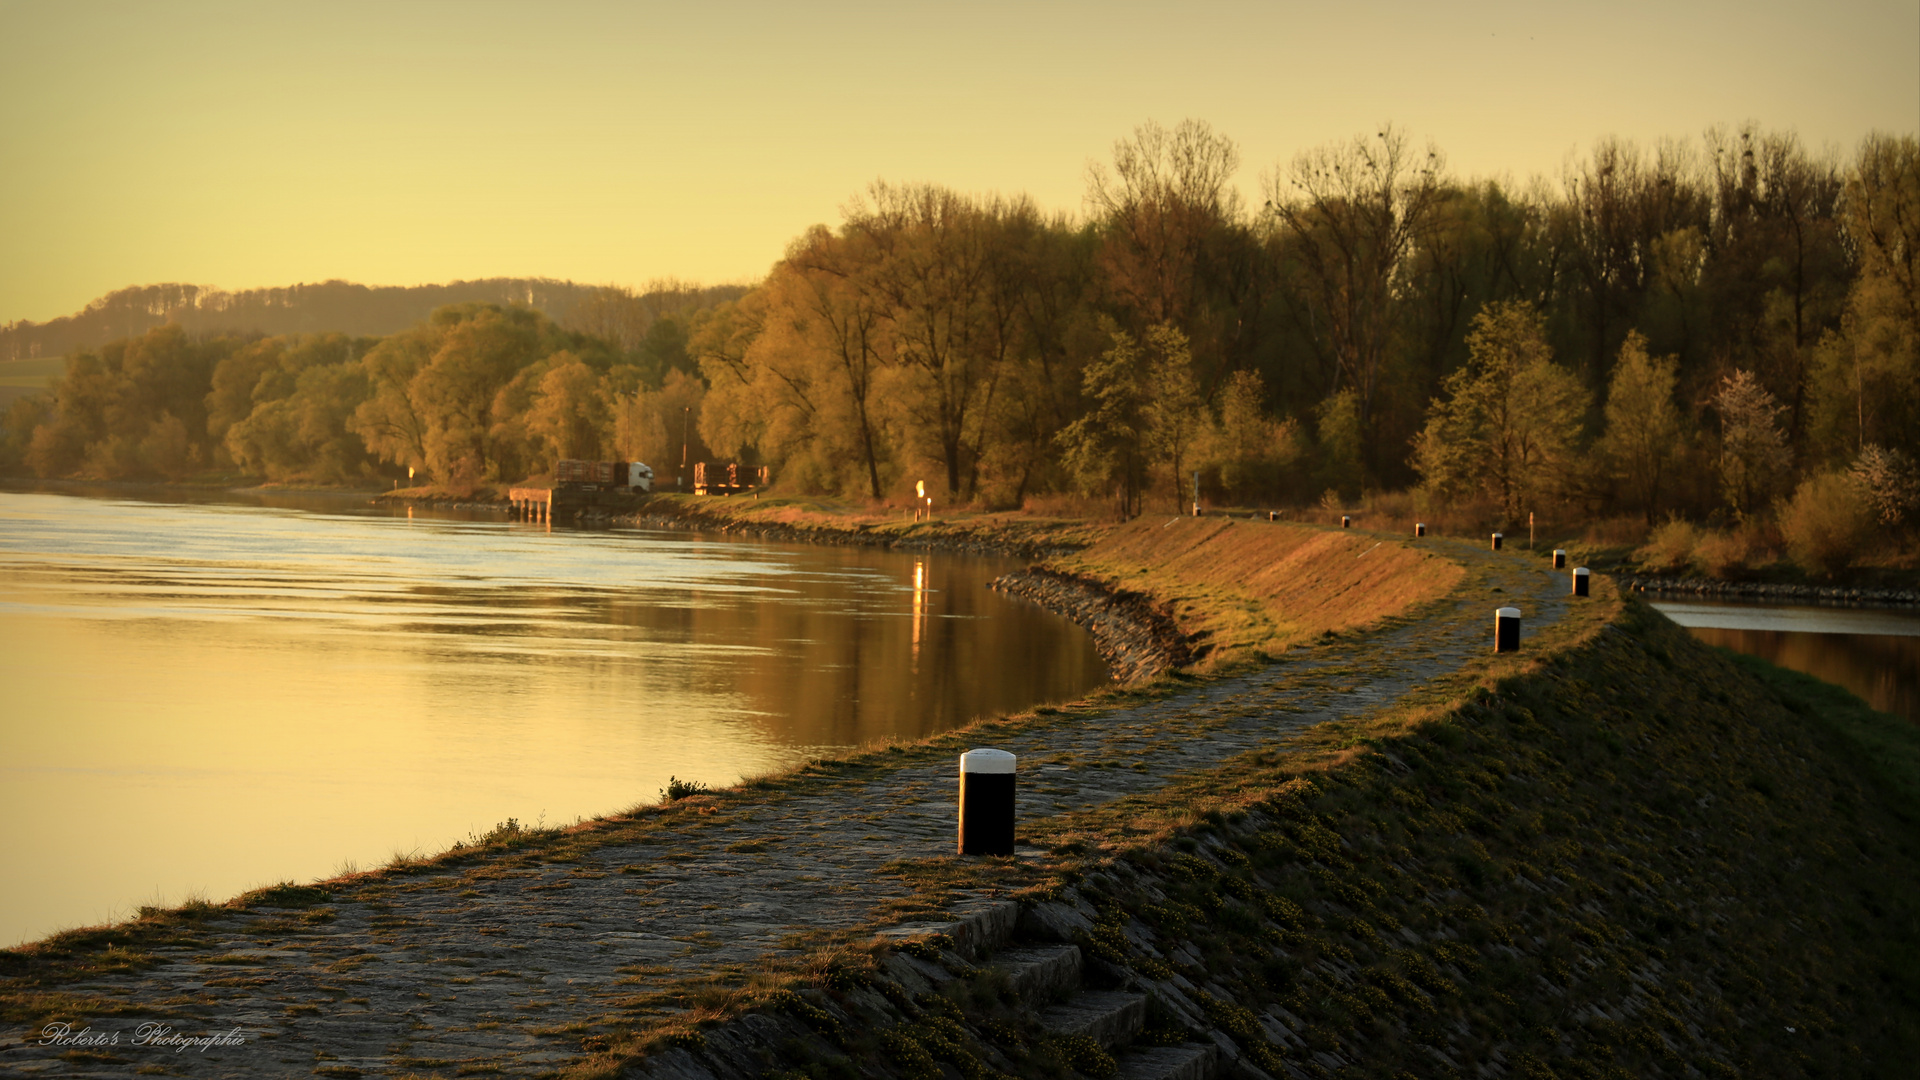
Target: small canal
{"points": [[1873, 652]]}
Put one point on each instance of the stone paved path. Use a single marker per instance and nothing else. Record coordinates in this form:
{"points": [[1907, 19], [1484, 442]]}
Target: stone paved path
{"points": [[466, 976]]}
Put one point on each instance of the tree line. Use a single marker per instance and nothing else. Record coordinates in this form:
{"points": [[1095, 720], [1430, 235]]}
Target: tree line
{"points": [[1689, 328]]}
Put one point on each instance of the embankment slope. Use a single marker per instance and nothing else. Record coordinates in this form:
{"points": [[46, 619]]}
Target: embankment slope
{"points": [[1625, 855], [1245, 590]]}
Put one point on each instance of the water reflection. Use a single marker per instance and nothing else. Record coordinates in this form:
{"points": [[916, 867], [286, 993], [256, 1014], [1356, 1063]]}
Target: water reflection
{"points": [[1873, 653], [211, 696]]}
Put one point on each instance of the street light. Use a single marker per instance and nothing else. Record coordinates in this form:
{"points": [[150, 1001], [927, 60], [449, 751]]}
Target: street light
{"points": [[679, 479]]}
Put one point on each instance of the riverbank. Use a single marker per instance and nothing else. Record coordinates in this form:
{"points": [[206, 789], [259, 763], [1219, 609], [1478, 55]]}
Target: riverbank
{"points": [[1772, 592]]}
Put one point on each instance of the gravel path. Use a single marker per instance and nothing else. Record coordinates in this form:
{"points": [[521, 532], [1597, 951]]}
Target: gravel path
{"points": [[493, 971]]}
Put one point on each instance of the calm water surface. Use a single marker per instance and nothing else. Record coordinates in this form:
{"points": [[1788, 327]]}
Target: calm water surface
{"points": [[1874, 653], [202, 697]]}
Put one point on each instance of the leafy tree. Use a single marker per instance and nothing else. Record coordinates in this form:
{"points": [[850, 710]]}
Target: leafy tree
{"points": [[663, 428], [22, 416], [1511, 419], [1754, 456], [1103, 449], [1174, 414], [1867, 372], [571, 416], [1890, 484], [1342, 442], [1643, 438], [1246, 447], [436, 387]]}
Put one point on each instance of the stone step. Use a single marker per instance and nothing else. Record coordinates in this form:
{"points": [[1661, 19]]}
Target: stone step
{"points": [[1190, 1061], [977, 932], [1041, 973], [1110, 1017]]}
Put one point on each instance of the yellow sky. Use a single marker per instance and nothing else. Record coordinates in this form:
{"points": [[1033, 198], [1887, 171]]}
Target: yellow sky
{"points": [[253, 144]]}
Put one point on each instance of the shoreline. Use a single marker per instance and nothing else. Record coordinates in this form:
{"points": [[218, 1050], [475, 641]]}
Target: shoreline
{"points": [[1838, 596]]}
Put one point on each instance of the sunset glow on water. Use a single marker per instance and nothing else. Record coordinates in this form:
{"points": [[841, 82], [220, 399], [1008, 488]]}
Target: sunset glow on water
{"points": [[205, 698]]}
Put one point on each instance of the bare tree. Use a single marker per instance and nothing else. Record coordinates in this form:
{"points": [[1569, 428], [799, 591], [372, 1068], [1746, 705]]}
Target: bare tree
{"points": [[1354, 212]]}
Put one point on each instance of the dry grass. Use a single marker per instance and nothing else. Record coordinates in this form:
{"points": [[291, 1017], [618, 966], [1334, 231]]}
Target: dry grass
{"points": [[1253, 588]]}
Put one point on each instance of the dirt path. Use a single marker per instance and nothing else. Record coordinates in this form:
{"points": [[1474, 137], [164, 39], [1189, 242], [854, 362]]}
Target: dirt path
{"points": [[466, 972]]}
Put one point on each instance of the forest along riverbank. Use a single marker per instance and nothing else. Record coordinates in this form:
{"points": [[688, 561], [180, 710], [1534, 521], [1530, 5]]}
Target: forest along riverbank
{"points": [[503, 956]]}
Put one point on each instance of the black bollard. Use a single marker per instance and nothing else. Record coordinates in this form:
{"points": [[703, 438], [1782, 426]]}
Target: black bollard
{"points": [[1497, 537], [1273, 515], [1419, 528], [1506, 629], [1346, 522], [1559, 559], [1580, 581], [986, 802]]}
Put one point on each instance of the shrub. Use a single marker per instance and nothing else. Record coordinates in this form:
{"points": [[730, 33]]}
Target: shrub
{"points": [[1826, 522], [1720, 554], [1669, 549], [678, 789]]}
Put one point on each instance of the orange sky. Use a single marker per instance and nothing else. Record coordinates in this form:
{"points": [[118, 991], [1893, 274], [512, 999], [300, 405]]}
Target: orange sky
{"points": [[253, 144]]}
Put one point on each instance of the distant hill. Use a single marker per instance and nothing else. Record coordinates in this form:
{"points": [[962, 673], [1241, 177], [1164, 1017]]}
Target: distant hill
{"points": [[616, 313]]}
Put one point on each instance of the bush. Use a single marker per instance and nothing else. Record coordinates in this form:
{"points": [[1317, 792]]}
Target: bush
{"points": [[1721, 554], [678, 789], [1826, 522], [1669, 549]]}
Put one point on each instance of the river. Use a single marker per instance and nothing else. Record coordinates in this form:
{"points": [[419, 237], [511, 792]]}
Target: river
{"points": [[209, 694], [1873, 652]]}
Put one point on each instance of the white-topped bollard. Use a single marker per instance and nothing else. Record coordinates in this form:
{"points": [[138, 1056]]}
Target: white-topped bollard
{"points": [[1580, 581], [1346, 522], [1506, 629], [1419, 528], [986, 802], [1559, 559], [1497, 538], [1273, 515]]}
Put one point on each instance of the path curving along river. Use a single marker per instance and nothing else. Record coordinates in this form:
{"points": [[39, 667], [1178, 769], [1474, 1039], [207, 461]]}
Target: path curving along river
{"points": [[207, 695], [496, 970]]}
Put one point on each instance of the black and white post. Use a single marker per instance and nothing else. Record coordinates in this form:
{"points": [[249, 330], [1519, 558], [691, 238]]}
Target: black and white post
{"points": [[1559, 559], [1346, 522], [1506, 629], [986, 802], [1419, 528], [1580, 581], [1497, 538]]}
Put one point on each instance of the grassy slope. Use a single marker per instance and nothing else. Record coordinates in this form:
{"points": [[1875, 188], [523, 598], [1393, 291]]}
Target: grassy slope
{"points": [[1251, 588], [1638, 859]]}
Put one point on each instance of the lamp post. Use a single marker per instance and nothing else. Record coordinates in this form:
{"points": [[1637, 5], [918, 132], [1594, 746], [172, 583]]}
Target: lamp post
{"points": [[680, 478]]}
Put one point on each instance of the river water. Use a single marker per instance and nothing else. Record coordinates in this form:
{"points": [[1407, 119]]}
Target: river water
{"points": [[206, 696], [1874, 653]]}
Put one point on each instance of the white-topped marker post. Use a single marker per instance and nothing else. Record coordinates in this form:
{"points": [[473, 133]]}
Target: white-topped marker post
{"points": [[1506, 629], [1497, 538], [1559, 559], [1419, 528], [1346, 522], [1580, 581], [986, 802]]}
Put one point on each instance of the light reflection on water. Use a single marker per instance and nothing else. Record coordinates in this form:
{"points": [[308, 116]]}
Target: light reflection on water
{"points": [[1874, 653], [208, 696]]}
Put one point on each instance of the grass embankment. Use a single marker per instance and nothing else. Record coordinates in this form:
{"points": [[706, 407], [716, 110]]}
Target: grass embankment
{"points": [[1250, 589]]}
